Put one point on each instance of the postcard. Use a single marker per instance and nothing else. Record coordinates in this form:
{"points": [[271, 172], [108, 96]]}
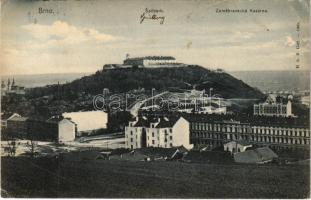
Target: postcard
{"points": [[155, 99]]}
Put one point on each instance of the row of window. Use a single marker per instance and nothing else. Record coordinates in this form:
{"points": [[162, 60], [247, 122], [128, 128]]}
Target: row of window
{"points": [[280, 140], [269, 139], [247, 129], [288, 132], [218, 127]]}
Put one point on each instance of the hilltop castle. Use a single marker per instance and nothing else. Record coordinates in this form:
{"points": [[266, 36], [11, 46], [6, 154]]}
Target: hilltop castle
{"points": [[146, 62]]}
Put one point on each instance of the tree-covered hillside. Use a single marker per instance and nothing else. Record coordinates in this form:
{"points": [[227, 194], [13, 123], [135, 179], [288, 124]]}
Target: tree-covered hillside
{"points": [[124, 80]]}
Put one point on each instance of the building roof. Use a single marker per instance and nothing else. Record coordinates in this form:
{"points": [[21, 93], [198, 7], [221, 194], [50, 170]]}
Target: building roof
{"points": [[152, 58], [240, 142], [6, 116], [57, 119], [157, 152], [252, 120], [18, 118], [81, 155], [163, 122], [167, 122], [145, 122], [259, 155]]}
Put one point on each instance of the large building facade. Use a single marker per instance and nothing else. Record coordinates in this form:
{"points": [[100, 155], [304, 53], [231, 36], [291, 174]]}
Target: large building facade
{"points": [[215, 130], [150, 61], [55, 129], [157, 132], [273, 106], [207, 132]]}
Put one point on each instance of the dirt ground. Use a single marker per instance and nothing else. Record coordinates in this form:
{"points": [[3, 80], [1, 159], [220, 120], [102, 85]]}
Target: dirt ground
{"points": [[25, 177]]}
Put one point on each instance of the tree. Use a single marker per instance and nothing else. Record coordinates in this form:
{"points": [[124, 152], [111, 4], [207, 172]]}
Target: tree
{"points": [[11, 149], [32, 145]]}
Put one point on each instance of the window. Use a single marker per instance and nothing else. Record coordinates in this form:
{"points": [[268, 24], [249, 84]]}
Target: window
{"points": [[171, 130], [131, 139], [171, 145], [152, 141], [131, 132], [152, 134], [171, 137]]}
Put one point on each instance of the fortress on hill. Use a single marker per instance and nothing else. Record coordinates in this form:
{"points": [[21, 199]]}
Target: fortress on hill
{"points": [[146, 62]]}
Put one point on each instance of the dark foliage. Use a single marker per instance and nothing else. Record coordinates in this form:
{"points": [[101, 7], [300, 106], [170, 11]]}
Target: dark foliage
{"points": [[124, 80]]}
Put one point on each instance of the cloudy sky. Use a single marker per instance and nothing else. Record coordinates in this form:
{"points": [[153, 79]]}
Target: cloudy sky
{"points": [[82, 36]]}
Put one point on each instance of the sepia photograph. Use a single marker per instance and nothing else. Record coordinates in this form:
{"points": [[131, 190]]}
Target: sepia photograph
{"points": [[182, 99]]}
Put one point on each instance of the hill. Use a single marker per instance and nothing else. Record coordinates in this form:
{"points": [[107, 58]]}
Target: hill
{"points": [[124, 80], [50, 100]]}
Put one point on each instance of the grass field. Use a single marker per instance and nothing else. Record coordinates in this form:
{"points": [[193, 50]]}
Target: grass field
{"points": [[23, 177]]}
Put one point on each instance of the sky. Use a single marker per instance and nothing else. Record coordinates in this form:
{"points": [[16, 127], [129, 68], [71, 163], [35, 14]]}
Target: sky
{"points": [[82, 36]]}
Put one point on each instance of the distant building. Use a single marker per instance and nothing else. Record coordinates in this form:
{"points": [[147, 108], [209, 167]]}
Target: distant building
{"points": [[5, 117], [216, 130], [150, 61], [145, 62], [54, 129], [274, 106], [305, 100], [237, 146], [157, 132], [11, 88], [88, 121]]}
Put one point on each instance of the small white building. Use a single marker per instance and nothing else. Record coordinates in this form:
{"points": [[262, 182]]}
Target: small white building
{"points": [[236, 146], [88, 121], [66, 129], [273, 107], [158, 132]]}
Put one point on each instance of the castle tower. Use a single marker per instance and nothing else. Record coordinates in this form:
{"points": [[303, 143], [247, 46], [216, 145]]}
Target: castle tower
{"points": [[9, 84], [13, 82]]}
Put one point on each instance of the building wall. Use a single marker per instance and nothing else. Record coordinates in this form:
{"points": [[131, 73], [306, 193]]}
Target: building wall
{"points": [[154, 137], [216, 134], [165, 137], [66, 131], [181, 134], [274, 109], [133, 137]]}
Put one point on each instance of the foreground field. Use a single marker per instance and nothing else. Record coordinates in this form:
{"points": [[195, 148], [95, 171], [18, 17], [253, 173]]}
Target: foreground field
{"points": [[23, 177]]}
